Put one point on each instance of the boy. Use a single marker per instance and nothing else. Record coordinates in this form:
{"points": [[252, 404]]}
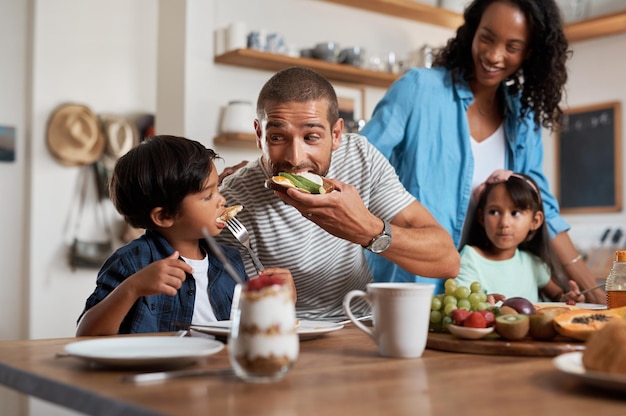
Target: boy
{"points": [[168, 277]]}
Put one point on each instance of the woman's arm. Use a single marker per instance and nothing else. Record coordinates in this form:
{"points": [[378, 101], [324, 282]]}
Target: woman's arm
{"points": [[575, 268]]}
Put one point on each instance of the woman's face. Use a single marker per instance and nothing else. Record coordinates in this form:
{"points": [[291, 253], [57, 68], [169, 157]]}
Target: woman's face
{"points": [[501, 43]]}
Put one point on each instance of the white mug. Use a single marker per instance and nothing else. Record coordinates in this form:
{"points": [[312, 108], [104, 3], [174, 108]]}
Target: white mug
{"points": [[400, 315]]}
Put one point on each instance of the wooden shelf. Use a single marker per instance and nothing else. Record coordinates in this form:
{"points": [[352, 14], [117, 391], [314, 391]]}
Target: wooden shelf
{"points": [[610, 24], [408, 9], [236, 139], [251, 58]]}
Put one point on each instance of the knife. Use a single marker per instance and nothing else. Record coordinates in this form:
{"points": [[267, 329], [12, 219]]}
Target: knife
{"points": [[168, 375]]}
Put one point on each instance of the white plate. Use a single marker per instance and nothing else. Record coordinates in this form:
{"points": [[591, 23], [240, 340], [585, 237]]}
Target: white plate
{"points": [[572, 363], [306, 329], [563, 304], [144, 351]]}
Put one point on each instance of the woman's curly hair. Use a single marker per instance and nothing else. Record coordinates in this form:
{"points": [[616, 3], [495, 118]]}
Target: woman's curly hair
{"points": [[542, 75]]}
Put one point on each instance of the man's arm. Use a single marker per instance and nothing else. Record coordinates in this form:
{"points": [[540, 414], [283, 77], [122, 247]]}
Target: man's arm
{"points": [[419, 243]]}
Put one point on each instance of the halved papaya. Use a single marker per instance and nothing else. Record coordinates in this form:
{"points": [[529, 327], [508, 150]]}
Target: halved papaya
{"points": [[581, 323]]}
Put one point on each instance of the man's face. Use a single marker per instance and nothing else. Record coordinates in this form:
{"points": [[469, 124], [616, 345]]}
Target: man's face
{"points": [[297, 137]]}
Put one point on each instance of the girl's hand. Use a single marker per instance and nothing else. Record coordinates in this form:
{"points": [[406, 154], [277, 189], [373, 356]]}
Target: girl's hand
{"points": [[573, 295], [494, 298]]}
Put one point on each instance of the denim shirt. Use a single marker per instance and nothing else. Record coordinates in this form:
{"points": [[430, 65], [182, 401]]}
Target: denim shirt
{"points": [[421, 126], [162, 313]]}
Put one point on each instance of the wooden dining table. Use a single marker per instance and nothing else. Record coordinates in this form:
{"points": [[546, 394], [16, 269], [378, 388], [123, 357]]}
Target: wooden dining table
{"points": [[339, 373]]}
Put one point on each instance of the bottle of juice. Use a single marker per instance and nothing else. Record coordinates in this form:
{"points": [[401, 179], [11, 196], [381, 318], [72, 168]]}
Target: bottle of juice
{"points": [[616, 282]]}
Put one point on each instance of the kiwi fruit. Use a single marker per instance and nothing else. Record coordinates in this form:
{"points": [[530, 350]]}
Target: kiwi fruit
{"points": [[505, 310], [542, 325], [512, 326]]}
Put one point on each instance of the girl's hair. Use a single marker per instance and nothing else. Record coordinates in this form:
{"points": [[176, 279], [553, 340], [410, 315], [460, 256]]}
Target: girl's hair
{"points": [[542, 75], [524, 192], [159, 172]]}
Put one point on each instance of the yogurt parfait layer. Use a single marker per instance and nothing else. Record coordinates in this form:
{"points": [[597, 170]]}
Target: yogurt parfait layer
{"points": [[264, 343]]}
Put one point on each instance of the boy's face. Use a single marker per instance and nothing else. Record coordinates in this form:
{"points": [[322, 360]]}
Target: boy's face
{"points": [[201, 210], [297, 137]]}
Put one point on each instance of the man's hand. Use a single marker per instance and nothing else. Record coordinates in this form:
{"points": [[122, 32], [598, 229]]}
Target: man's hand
{"points": [[230, 170]]}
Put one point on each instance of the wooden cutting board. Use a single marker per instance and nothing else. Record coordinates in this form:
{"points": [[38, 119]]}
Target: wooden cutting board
{"points": [[494, 345]]}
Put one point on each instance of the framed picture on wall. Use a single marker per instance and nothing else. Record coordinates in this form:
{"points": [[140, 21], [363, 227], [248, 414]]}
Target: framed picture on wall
{"points": [[589, 159], [351, 105]]}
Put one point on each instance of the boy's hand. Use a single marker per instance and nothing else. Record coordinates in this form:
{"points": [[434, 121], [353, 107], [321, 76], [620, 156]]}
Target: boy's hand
{"points": [[283, 274], [161, 277]]}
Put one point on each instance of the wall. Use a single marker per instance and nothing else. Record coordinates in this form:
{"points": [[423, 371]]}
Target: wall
{"points": [[102, 54]]}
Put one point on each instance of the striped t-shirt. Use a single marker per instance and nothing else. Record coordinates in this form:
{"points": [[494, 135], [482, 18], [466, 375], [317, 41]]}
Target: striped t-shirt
{"points": [[324, 267]]}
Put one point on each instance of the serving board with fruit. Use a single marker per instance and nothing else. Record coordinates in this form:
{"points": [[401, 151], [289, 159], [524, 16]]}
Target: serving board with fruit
{"points": [[517, 327], [493, 344]]}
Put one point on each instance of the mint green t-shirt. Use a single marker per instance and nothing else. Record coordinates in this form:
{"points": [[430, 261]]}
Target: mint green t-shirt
{"points": [[522, 275]]}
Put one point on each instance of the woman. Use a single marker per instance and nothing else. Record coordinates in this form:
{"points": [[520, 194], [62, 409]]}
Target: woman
{"points": [[479, 109]]}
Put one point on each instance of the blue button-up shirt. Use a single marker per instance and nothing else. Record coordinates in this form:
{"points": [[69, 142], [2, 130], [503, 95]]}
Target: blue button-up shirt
{"points": [[162, 313], [421, 126]]}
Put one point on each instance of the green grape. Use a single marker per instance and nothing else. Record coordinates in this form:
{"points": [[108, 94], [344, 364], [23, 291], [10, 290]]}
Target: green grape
{"points": [[464, 304], [474, 299], [483, 297], [475, 287], [462, 292], [483, 305], [449, 299], [448, 308], [435, 304], [446, 321], [435, 317], [450, 283], [450, 291]]}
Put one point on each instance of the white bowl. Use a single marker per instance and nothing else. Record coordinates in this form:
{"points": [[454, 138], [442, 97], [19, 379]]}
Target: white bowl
{"points": [[469, 333]]}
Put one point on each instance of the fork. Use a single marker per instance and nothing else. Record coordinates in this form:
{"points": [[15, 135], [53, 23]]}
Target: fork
{"points": [[241, 233]]}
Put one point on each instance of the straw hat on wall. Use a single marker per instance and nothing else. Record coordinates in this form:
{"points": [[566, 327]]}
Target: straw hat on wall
{"points": [[120, 135], [74, 136]]}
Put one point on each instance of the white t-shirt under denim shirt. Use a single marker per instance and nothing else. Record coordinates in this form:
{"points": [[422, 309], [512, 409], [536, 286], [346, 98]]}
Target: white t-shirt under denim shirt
{"points": [[202, 308]]}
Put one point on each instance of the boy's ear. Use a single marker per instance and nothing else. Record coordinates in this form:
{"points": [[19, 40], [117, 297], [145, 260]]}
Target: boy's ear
{"points": [[160, 218]]}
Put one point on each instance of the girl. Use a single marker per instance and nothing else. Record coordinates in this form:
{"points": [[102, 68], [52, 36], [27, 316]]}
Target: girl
{"points": [[508, 248]]}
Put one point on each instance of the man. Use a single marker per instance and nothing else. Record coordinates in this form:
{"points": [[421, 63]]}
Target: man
{"points": [[322, 238]]}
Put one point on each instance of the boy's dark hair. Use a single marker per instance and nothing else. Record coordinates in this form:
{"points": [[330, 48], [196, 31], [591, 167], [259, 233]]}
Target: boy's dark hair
{"points": [[159, 172], [541, 77], [525, 197], [300, 85]]}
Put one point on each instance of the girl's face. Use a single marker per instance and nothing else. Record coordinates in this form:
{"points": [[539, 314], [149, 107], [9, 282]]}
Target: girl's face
{"points": [[500, 44], [201, 210], [506, 225]]}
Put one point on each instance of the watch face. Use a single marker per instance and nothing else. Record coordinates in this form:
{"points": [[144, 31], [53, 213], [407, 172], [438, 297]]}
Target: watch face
{"points": [[381, 244]]}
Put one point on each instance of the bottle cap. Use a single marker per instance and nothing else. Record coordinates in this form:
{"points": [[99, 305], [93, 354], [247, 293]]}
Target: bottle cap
{"points": [[620, 255]]}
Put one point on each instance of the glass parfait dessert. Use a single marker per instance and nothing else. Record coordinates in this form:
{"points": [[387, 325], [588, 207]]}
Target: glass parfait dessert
{"points": [[263, 342]]}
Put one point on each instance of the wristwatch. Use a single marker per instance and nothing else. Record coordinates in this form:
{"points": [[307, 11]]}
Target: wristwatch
{"points": [[382, 241]]}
